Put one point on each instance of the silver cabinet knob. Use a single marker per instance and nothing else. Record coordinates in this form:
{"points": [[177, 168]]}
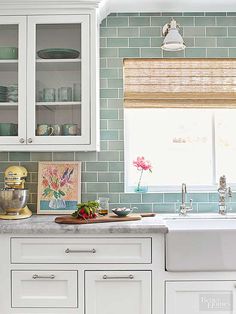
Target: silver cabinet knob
{"points": [[21, 140], [30, 140]]}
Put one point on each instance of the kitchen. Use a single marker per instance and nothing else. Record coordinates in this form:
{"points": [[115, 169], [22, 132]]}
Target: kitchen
{"points": [[207, 34]]}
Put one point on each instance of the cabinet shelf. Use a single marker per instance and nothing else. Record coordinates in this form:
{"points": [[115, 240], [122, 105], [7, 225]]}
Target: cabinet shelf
{"points": [[8, 104], [58, 64], [58, 103], [75, 60], [8, 65]]}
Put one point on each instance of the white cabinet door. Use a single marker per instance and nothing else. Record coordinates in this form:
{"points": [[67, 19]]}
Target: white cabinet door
{"points": [[12, 81], [118, 292], [58, 81], [200, 297]]}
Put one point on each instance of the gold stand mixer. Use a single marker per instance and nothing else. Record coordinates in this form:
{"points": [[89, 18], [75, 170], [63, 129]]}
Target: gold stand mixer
{"points": [[14, 197]]}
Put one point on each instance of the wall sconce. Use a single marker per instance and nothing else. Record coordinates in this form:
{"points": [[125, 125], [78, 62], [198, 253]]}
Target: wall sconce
{"points": [[173, 41]]}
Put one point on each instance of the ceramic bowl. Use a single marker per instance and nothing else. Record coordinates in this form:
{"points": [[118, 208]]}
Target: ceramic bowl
{"points": [[123, 211]]}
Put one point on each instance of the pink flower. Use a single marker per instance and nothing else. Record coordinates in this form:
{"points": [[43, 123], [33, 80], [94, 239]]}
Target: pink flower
{"points": [[142, 164]]}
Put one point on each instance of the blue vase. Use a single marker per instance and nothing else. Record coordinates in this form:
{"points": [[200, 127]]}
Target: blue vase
{"points": [[141, 189]]}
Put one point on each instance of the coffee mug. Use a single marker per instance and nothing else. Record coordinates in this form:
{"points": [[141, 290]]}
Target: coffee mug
{"points": [[56, 129], [8, 129], [49, 94], [69, 129], [44, 130], [65, 94]]}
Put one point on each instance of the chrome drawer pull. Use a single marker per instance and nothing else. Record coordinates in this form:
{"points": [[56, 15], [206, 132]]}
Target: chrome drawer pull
{"points": [[43, 277], [80, 251], [118, 277]]}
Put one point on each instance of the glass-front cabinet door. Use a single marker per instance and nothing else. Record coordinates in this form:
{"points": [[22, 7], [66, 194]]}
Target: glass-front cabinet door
{"points": [[12, 80], [58, 76]]}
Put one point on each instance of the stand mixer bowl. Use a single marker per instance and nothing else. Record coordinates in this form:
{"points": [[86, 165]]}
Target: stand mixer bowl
{"points": [[12, 201]]}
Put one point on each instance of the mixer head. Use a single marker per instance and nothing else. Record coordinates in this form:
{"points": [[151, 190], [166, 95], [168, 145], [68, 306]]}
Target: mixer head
{"points": [[15, 177]]}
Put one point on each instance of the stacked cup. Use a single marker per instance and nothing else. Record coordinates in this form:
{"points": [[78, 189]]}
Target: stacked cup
{"points": [[12, 93], [3, 93]]}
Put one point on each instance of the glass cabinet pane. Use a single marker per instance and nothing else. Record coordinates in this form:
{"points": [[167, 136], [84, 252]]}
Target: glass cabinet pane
{"points": [[58, 80], [9, 80]]}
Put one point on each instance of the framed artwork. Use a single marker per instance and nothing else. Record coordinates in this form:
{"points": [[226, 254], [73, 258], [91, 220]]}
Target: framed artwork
{"points": [[59, 187]]}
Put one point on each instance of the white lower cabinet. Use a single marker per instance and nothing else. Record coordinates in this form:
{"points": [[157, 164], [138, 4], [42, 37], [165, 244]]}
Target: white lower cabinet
{"points": [[200, 297], [44, 289], [118, 292]]}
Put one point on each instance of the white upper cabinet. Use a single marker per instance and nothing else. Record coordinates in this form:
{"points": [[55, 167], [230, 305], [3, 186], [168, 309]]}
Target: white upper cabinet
{"points": [[48, 98], [12, 80]]}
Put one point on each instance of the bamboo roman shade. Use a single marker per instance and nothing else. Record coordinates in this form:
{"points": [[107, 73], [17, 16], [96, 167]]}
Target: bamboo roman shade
{"points": [[174, 83]]}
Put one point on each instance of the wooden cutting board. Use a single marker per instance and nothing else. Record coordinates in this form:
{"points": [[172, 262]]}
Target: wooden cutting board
{"points": [[147, 214], [109, 218]]}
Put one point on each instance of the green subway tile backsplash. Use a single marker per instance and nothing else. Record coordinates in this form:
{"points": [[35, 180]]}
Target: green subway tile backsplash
{"points": [[151, 53], [217, 52], [195, 31], [19, 156], [150, 31], [128, 52], [205, 21], [195, 53], [4, 156], [117, 42], [135, 35], [225, 21], [205, 42], [109, 135], [128, 32], [216, 31], [232, 31], [117, 21], [139, 21], [226, 42], [139, 42]]}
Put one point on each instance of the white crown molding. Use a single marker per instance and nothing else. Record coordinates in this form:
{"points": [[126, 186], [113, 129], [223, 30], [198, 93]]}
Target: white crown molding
{"points": [[45, 4], [105, 7], [131, 6]]}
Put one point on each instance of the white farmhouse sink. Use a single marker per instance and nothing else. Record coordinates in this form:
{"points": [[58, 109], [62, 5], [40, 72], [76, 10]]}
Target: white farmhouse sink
{"points": [[199, 216], [201, 243]]}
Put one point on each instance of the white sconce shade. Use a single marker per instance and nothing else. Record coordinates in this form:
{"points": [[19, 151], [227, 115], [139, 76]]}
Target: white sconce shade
{"points": [[173, 41]]}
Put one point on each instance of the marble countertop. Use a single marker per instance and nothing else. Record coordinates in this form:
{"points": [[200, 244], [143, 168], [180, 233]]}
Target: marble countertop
{"points": [[46, 225]]}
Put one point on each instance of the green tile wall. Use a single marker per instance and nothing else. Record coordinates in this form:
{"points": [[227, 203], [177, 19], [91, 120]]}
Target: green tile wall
{"points": [[134, 35]]}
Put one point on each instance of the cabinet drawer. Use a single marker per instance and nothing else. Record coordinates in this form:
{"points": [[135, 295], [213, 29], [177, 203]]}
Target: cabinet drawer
{"points": [[44, 289], [81, 250]]}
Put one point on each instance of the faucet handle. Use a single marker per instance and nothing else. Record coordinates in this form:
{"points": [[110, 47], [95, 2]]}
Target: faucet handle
{"points": [[191, 205]]}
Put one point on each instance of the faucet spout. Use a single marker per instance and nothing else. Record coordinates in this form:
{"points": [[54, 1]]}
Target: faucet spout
{"points": [[184, 192], [183, 208]]}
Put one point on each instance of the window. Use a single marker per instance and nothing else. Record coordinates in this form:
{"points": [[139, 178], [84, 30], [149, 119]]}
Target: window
{"points": [[181, 115], [195, 146]]}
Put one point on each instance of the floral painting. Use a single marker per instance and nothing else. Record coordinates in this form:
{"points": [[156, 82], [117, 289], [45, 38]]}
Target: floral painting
{"points": [[59, 187]]}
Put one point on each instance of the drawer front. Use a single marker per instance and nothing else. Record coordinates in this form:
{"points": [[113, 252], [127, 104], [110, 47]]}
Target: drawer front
{"points": [[44, 289], [80, 250]]}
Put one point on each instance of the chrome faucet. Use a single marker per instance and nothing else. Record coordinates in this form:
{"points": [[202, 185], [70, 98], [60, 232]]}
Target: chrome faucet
{"points": [[224, 193], [183, 208]]}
